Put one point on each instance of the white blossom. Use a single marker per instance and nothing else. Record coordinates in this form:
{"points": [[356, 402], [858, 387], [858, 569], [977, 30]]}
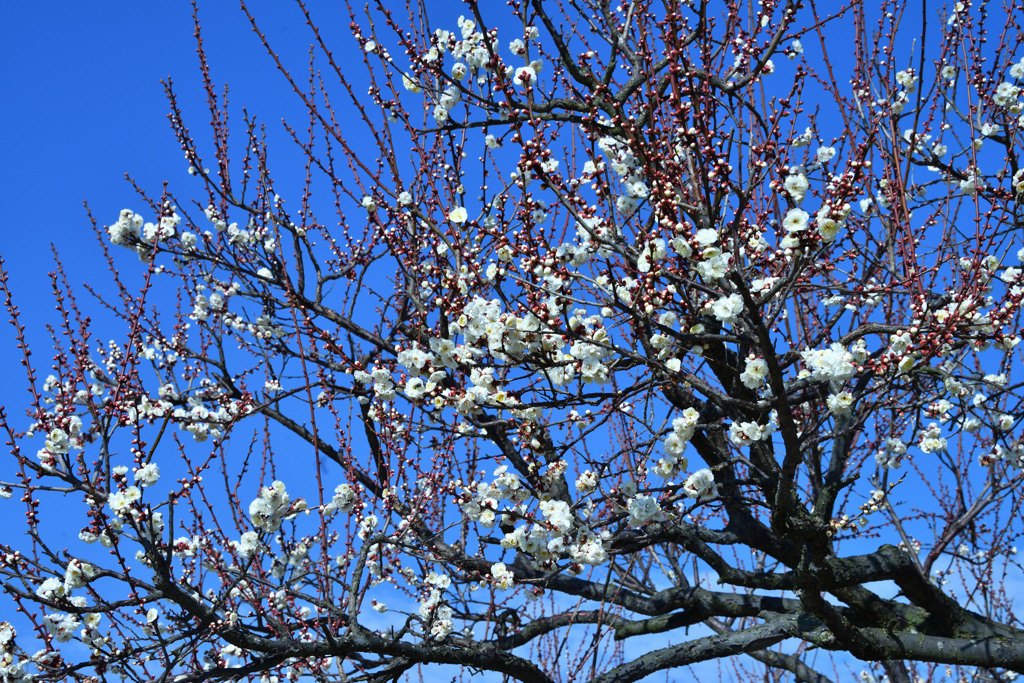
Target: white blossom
{"points": [[834, 363], [727, 308], [501, 575], [706, 237], [122, 500], [828, 229], [907, 79], [586, 482], [147, 475], [796, 185], [840, 403], [795, 220], [745, 433], [525, 76], [411, 85], [701, 485], [643, 509], [557, 513], [458, 215], [932, 439], [76, 575], [714, 268], [273, 506]]}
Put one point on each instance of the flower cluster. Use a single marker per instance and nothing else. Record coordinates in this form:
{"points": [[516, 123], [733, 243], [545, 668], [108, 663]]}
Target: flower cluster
{"points": [[147, 475], [727, 308], [344, 500], [217, 304], [587, 482], [432, 609], [132, 230], [675, 443], [556, 536], [932, 439], [121, 501], [754, 373], [714, 260], [503, 578], [273, 506], [472, 54], [796, 185], [10, 669], [77, 575], [892, 455], [745, 433], [59, 442], [248, 546], [701, 485], [61, 626], [835, 363], [642, 509], [1012, 455], [482, 505], [202, 423]]}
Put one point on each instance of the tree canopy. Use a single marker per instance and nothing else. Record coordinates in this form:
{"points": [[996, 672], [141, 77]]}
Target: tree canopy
{"points": [[589, 343]]}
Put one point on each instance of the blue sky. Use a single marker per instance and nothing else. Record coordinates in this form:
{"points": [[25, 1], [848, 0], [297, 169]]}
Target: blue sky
{"points": [[83, 106]]}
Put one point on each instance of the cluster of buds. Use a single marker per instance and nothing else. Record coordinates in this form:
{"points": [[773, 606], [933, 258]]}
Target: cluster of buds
{"points": [[874, 504]]}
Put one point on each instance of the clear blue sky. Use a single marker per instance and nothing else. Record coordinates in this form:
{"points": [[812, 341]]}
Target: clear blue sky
{"points": [[83, 105]]}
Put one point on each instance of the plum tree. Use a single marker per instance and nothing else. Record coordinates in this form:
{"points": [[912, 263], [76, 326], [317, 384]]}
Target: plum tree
{"points": [[591, 342]]}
